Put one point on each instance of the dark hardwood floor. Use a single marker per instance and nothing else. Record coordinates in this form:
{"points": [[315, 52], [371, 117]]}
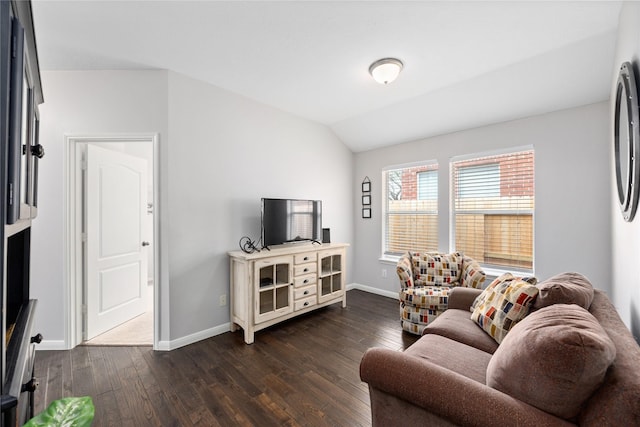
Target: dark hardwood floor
{"points": [[303, 372]]}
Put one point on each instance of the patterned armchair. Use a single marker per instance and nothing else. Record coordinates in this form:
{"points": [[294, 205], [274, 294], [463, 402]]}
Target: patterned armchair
{"points": [[426, 279]]}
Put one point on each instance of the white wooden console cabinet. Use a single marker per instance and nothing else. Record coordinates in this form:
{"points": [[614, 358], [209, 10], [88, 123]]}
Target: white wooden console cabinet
{"points": [[268, 287]]}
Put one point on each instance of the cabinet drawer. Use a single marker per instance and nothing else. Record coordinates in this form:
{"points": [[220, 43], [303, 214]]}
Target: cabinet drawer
{"points": [[304, 303], [307, 279], [306, 257], [301, 269], [304, 292]]}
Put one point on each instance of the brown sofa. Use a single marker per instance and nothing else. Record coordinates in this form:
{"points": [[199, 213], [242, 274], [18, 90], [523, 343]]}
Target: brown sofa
{"points": [[441, 380]]}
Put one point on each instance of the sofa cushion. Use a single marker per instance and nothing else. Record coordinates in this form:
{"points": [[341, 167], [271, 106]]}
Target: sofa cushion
{"points": [[565, 288], [452, 355], [505, 302], [456, 325], [553, 360], [431, 269], [435, 297], [414, 319]]}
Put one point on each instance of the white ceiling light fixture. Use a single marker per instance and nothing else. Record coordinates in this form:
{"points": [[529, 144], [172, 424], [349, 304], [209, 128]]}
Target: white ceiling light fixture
{"points": [[385, 70]]}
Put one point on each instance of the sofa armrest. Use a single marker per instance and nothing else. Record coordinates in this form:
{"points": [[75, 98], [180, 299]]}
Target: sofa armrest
{"points": [[462, 298], [472, 275], [447, 394], [404, 269]]}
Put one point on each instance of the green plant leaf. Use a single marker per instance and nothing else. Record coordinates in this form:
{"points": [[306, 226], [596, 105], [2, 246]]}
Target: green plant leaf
{"points": [[66, 412]]}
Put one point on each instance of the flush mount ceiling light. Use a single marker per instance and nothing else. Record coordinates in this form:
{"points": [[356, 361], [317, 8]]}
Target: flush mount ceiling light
{"points": [[385, 70]]}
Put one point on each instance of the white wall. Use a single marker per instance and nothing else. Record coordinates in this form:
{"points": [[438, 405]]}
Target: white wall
{"points": [[95, 102], [219, 154], [572, 190], [226, 152], [626, 235]]}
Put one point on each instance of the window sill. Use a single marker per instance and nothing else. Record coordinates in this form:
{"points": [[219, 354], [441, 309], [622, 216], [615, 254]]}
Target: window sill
{"points": [[389, 259], [496, 272]]}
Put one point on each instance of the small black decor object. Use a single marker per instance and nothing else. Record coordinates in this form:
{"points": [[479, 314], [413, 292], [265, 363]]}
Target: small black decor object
{"points": [[326, 235], [626, 141]]}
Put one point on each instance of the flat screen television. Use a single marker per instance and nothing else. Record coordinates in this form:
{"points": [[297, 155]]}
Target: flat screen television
{"points": [[291, 220]]}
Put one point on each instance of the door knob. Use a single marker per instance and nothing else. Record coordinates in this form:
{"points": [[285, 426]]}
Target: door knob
{"points": [[37, 150], [145, 243]]}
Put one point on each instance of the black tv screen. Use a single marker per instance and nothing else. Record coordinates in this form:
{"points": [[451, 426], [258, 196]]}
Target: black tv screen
{"points": [[289, 220]]}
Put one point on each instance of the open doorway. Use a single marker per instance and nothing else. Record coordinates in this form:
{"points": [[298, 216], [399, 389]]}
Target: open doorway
{"points": [[111, 234]]}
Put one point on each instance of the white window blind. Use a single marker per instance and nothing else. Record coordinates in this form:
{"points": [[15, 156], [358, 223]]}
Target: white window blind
{"points": [[411, 208], [428, 185], [493, 204], [479, 181]]}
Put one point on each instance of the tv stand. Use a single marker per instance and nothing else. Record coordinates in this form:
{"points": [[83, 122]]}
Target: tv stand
{"points": [[271, 286]]}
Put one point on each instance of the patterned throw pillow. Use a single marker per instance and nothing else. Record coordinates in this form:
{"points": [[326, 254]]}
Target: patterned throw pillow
{"points": [[431, 269], [498, 280], [505, 302]]}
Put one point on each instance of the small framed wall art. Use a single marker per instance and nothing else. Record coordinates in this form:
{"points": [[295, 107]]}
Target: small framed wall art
{"points": [[366, 197]]}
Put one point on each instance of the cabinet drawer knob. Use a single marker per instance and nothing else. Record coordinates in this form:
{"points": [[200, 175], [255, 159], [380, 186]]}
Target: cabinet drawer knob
{"points": [[306, 292], [36, 339], [306, 303], [306, 258], [306, 269], [306, 281]]}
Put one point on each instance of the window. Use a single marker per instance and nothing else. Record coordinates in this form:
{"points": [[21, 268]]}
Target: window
{"points": [[479, 181], [492, 210], [411, 208], [428, 185]]}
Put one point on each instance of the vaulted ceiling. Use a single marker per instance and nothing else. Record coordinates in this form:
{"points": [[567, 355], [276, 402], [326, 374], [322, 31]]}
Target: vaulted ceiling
{"points": [[467, 63]]}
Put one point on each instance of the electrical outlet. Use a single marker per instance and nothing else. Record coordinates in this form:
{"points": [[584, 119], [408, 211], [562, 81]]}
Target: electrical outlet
{"points": [[384, 273], [223, 300]]}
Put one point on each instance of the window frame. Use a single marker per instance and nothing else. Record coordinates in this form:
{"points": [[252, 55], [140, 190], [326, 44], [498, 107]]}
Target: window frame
{"points": [[394, 255], [489, 267]]}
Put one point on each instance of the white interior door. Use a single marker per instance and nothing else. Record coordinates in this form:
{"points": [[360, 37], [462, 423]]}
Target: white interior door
{"points": [[116, 245]]}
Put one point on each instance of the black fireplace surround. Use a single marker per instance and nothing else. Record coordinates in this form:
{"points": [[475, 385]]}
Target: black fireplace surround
{"points": [[20, 383]]}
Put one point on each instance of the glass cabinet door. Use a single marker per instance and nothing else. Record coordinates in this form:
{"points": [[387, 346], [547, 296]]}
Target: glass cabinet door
{"points": [[274, 288], [331, 280]]}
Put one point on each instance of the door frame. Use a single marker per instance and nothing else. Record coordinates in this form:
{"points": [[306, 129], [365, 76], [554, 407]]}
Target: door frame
{"points": [[73, 209]]}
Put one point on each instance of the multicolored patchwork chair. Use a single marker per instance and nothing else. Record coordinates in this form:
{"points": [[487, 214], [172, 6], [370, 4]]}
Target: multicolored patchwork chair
{"points": [[426, 279]]}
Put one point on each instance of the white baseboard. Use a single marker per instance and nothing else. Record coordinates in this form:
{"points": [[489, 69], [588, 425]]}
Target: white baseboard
{"points": [[372, 290], [221, 329], [193, 338], [211, 332], [52, 345]]}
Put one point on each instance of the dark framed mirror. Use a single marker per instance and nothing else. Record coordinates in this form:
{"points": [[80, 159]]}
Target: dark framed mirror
{"points": [[626, 141]]}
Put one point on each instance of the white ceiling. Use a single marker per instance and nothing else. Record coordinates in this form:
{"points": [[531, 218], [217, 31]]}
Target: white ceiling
{"points": [[467, 64]]}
